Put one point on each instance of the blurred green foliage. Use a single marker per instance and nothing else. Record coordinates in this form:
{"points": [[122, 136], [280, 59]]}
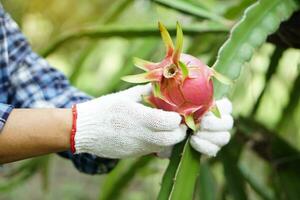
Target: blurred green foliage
{"points": [[262, 160]]}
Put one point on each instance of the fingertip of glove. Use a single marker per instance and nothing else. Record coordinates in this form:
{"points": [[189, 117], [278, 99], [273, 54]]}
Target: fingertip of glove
{"points": [[177, 135], [213, 123], [225, 138], [204, 146], [143, 89], [182, 131], [230, 122], [135, 93], [218, 138], [170, 120], [224, 105], [169, 138], [183, 127], [173, 116]]}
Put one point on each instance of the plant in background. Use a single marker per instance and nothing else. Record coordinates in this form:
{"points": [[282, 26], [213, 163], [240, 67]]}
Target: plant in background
{"points": [[259, 20], [181, 82], [255, 20]]}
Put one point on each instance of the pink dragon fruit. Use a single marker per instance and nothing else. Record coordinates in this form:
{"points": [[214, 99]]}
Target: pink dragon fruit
{"points": [[181, 82]]}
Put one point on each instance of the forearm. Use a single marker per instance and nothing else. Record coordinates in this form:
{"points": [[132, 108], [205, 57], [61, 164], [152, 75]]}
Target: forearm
{"points": [[34, 132], [33, 83]]}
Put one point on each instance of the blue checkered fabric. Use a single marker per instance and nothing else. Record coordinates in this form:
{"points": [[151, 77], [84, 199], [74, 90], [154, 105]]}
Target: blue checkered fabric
{"points": [[28, 81]]}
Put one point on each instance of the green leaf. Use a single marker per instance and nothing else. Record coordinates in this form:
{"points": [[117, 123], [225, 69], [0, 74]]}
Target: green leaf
{"points": [[16, 181], [186, 174], [45, 174], [122, 174], [150, 76], [184, 70], [190, 122], [115, 10], [216, 111], [142, 64], [78, 68], [166, 38], [222, 79], [156, 90], [168, 178], [109, 31], [258, 21], [190, 9], [143, 48], [274, 63], [146, 100], [257, 186], [288, 180], [237, 10], [235, 182], [283, 157], [24, 172], [208, 189], [290, 108], [137, 78], [286, 157], [181, 174], [261, 19], [111, 14], [179, 43]]}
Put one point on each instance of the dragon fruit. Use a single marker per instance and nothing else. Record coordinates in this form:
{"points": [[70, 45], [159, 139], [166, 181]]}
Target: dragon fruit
{"points": [[181, 82]]}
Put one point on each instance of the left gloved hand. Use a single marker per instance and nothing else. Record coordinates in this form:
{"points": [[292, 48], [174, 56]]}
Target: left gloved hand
{"points": [[119, 126], [213, 133]]}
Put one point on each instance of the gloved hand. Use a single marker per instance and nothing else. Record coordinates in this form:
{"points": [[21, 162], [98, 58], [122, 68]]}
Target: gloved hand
{"points": [[118, 126], [213, 133]]}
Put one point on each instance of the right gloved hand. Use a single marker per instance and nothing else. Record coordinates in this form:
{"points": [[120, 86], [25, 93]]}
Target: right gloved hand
{"points": [[213, 133], [118, 126]]}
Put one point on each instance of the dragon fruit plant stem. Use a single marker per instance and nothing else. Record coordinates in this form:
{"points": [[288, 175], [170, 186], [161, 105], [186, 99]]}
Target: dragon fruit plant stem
{"points": [[181, 82]]}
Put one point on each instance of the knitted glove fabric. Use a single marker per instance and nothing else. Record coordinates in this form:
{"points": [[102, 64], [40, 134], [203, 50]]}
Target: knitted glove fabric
{"points": [[118, 126], [214, 131]]}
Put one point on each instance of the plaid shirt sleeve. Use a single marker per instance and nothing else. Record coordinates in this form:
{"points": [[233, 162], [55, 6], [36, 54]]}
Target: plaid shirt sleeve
{"points": [[30, 82], [4, 112]]}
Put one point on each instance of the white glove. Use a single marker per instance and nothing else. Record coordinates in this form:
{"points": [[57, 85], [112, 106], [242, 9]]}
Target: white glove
{"points": [[118, 126], [214, 131]]}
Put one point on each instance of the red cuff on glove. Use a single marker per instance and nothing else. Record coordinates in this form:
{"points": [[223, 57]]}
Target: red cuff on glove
{"points": [[73, 131]]}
